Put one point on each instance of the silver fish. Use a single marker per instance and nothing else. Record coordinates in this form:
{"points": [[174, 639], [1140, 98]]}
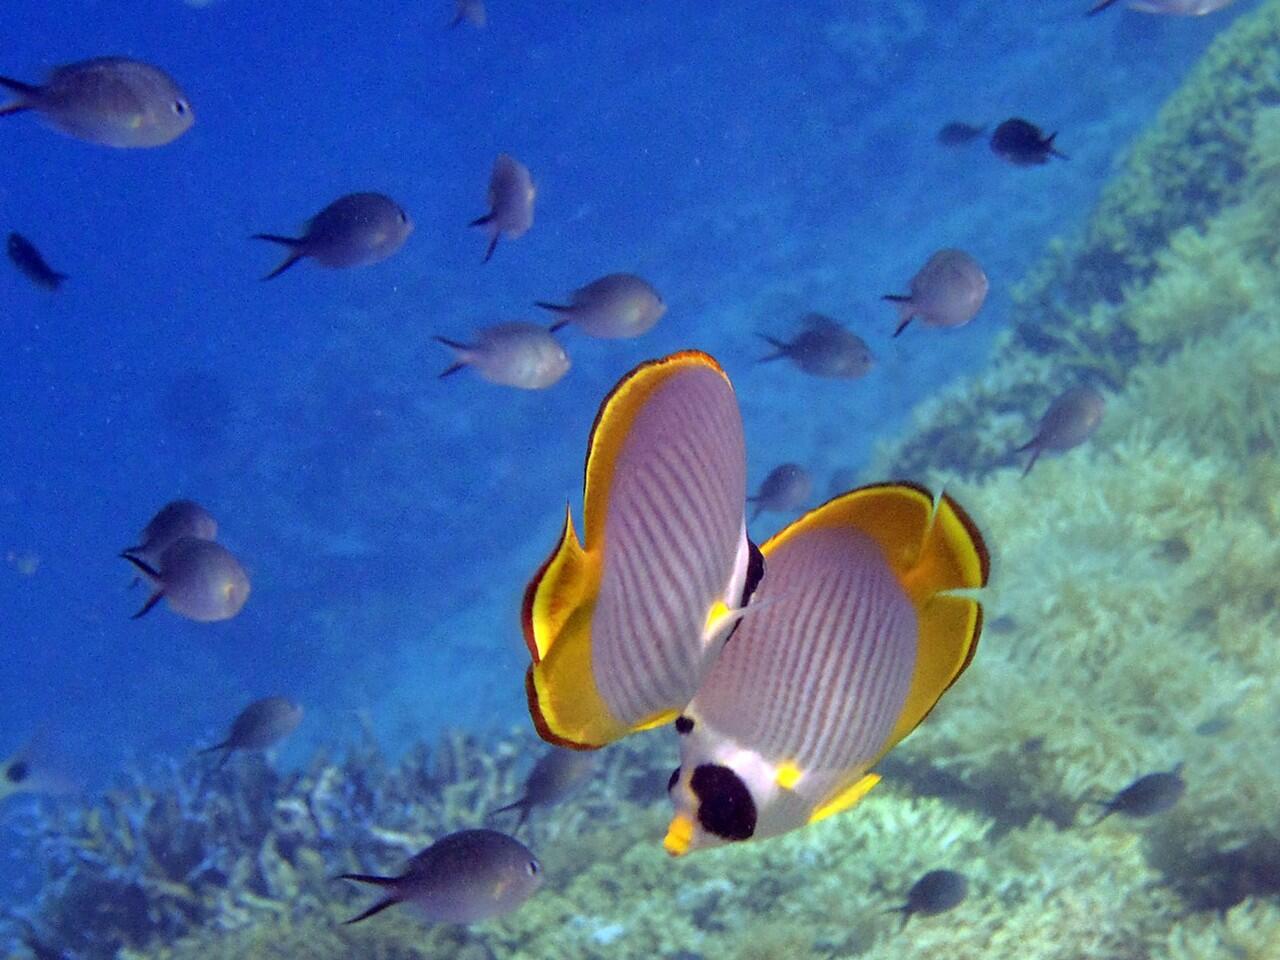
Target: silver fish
{"points": [[1177, 8], [260, 725], [201, 580], [353, 231], [1070, 420], [470, 11], [35, 769], [464, 877], [511, 196], [520, 355], [111, 101], [173, 521], [948, 291], [824, 348], [616, 306], [786, 488], [554, 777]]}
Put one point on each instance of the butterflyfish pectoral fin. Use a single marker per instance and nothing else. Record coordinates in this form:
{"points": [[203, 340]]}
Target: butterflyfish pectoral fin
{"points": [[845, 798], [562, 584]]}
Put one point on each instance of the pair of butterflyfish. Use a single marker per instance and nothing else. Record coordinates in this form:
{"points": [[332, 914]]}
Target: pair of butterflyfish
{"points": [[788, 670]]}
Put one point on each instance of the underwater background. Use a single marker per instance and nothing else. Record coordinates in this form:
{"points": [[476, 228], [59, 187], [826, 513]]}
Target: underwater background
{"points": [[755, 161]]}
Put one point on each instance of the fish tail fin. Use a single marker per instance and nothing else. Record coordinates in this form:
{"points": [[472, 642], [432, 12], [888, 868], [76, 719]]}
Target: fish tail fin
{"points": [[493, 245], [510, 806], [25, 96], [564, 703], [141, 564], [1099, 7], [906, 311], [370, 878], [146, 607], [151, 573], [225, 744], [462, 349], [295, 252], [1035, 455], [376, 908], [780, 348]]}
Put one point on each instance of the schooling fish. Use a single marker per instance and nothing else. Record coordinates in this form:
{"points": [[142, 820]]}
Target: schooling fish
{"points": [[353, 231], [1069, 422], [464, 877], [471, 11], [260, 725], [511, 196], [110, 101], [1179, 8], [200, 579], [785, 489], [33, 770], [1023, 144], [936, 892], [824, 348], [173, 521], [28, 259], [614, 307], [948, 291], [520, 355], [1148, 795], [854, 636], [622, 626], [554, 777], [958, 134]]}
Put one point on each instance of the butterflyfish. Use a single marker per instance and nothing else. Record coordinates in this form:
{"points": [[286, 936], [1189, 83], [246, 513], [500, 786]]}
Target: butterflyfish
{"points": [[622, 625], [857, 634]]}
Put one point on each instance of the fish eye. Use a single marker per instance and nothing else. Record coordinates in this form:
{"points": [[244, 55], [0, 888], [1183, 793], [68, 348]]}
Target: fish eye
{"points": [[533, 868], [404, 217], [671, 782], [180, 107]]}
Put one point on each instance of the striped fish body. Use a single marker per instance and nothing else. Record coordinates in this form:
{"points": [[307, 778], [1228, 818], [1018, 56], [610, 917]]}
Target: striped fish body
{"points": [[623, 626], [855, 640]]}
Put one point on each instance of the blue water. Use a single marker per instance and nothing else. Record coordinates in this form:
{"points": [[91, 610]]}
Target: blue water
{"points": [[754, 160]]}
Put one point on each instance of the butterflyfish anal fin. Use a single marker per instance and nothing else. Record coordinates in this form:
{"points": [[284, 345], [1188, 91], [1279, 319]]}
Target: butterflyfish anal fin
{"points": [[562, 584], [613, 425], [845, 798]]}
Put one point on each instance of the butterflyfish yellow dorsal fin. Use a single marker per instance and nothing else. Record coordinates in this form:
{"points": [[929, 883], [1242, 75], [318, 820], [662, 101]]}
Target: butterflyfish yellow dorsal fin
{"points": [[845, 798]]}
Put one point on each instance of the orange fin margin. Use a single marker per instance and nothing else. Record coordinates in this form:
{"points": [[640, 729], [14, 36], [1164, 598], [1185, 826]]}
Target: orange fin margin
{"points": [[560, 586]]}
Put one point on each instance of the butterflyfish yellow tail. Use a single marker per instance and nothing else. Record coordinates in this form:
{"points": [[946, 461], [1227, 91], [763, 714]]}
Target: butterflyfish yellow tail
{"points": [[556, 617], [952, 556], [560, 586]]}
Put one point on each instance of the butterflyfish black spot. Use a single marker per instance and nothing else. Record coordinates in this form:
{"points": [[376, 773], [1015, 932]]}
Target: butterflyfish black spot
{"points": [[684, 724], [725, 805]]}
